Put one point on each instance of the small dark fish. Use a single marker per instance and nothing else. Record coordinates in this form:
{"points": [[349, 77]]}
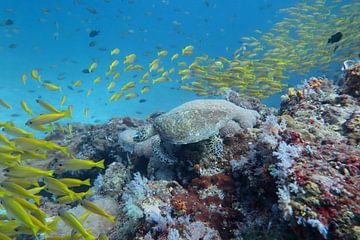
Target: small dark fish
{"points": [[86, 71], [335, 38], [94, 33], [80, 91], [142, 100], [31, 91], [92, 10], [70, 87], [15, 115], [92, 44], [139, 113], [8, 22], [13, 45], [103, 49]]}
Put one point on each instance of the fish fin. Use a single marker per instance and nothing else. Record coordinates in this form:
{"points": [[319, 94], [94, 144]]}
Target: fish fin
{"points": [[50, 173], [111, 218], [53, 224], [37, 199], [68, 112], [87, 182], [100, 164]]}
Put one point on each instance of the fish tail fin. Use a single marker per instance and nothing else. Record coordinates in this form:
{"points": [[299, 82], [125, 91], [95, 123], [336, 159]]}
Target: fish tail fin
{"points": [[64, 150], [50, 173], [111, 218], [51, 127], [68, 112], [100, 164], [37, 199], [89, 236], [89, 192], [53, 224], [87, 182]]}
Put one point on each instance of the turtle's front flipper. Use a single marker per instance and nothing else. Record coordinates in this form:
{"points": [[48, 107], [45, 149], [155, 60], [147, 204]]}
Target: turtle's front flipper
{"points": [[160, 153], [215, 146]]}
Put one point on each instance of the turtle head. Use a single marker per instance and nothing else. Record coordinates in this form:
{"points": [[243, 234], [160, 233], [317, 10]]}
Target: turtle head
{"points": [[144, 133]]}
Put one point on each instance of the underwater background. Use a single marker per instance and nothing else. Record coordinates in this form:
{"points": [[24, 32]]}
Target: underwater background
{"points": [[179, 119], [53, 37]]}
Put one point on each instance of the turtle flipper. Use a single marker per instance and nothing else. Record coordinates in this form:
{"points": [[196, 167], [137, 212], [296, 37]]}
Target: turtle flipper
{"points": [[215, 146], [160, 153]]}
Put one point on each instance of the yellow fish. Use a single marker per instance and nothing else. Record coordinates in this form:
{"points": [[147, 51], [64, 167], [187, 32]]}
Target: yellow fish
{"points": [[128, 86], [72, 198], [15, 210], [188, 50], [116, 75], [146, 75], [28, 155], [35, 74], [111, 85], [49, 118], [92, 67], [144, 81], [171, 70], [70, 220], [48, 106], [5, 104], [115, 96], [115, 51], [78, 83], [12, 130], [184, 72], [145, 89], [26, 172], [162, 53], [160, 79], [111, 71], [79, 164], [181, 64], [185, 77], [114, 64], [43, 128], [51, 87], [97, 80], [26, 107], [9, 149], [74, 182], [95, 209], [30, 206], [23, 78], [9, 160], [86, 112], [6, 141], [62, 101], [130, 95], [129, 59], [70, 129], [175, 56], [89, 92], [20, 191], [57, 187]]}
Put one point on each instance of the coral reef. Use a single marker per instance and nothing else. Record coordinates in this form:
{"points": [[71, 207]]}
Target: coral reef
{"points": [[291, 174]]}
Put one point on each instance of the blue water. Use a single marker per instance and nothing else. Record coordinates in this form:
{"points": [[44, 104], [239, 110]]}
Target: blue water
{"points": [[53, 36]]}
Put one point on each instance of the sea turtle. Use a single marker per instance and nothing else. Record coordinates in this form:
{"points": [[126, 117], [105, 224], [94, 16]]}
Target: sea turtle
{"points": [[193, 122]]}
